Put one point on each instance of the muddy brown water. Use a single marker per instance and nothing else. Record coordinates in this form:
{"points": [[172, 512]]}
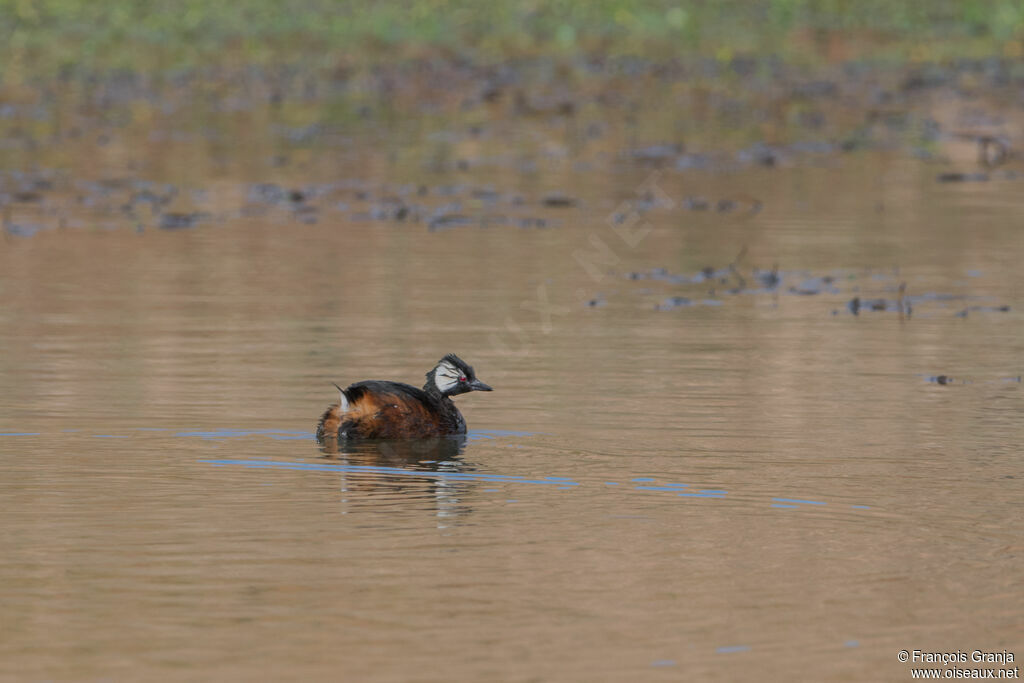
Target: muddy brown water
{"points": [[748, 482]]}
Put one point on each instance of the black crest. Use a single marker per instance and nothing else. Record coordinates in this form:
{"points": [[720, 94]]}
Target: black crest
{"points": [[466, 368]]}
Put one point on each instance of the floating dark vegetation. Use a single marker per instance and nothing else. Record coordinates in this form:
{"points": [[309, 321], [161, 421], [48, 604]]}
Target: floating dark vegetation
{"points": [[447, 221], [57, 201], [670, 156], [558, 200], [18, 229], [439, 208], [856, 305], [741, 205], [983, 309], [658, 154], [685, 302], [178, 221], [960, 177], [947, 380], [714, 285]]}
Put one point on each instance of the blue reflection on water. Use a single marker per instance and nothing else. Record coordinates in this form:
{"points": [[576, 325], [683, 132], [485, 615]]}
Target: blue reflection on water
{"points": [[560, 483], [391, 471], [280, 434], [674, 488], [494, 433], [293, 435]]}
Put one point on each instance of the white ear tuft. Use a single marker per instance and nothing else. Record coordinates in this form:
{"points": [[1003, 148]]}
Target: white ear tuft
{"points": [[446, 376]]}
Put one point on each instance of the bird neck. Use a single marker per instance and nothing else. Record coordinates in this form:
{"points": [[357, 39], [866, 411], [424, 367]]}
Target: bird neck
{"points": [[442, 403], [435, 395]]}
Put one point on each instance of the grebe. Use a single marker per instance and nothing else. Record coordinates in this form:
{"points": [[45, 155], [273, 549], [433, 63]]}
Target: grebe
{"points": [[392, 410]]}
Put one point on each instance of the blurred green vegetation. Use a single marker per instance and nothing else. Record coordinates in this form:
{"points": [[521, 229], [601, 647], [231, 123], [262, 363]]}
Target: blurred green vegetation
{"points": [[40, 36]]}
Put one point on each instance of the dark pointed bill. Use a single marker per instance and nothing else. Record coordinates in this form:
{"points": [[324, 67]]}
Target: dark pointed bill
{"points": [[477, 385]]}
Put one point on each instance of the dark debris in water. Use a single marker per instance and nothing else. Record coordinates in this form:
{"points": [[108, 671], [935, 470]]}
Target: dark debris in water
{"points": [[135, 204], [960, 177], [178, 221], [685, 302], [558, 200], [459, 206], [949, 380], [963, 313], [22, 229], [448, 221], [856, 305], [815, 285], [708, 285], [656, 154], [760, 154]]}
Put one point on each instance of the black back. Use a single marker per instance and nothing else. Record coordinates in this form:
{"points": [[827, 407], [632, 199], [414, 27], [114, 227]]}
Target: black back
{"points": [[434, 408], [354, 392]]}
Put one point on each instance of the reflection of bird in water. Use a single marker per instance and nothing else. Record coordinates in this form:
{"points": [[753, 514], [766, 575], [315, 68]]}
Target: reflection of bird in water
{"points": [[392, 410], [417, 453], [372, 478]]}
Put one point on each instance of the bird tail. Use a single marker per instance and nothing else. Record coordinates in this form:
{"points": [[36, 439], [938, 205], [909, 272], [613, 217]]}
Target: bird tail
{"points": [[343, 400], [330, 421]]}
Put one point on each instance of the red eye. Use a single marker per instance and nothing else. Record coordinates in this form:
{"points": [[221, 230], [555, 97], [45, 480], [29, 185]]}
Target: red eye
{"points": [[462, 379]]}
